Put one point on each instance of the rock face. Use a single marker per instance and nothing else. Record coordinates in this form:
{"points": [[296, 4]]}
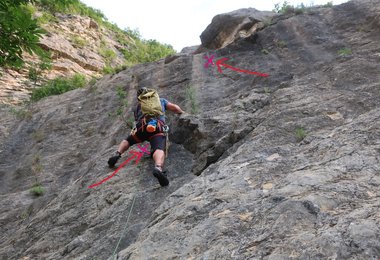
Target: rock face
{"points": [[77, 44], [288, 164], [227, 28]]}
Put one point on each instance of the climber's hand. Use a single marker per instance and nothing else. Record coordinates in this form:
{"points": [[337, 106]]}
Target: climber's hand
{"points": [[183, 114]]}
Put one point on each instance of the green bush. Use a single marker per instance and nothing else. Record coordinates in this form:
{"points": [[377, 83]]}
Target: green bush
{"points": [[58, 86], [37, 190]]}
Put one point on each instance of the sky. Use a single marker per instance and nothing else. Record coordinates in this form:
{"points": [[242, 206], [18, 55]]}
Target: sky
{"points": [[175, 22]]}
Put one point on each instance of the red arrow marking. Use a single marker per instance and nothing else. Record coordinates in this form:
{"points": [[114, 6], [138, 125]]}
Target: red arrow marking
{"points": [[136, 155], [220, 63]]}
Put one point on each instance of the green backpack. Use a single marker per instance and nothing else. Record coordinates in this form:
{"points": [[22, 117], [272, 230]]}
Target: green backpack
{"points": [[150, 103]]}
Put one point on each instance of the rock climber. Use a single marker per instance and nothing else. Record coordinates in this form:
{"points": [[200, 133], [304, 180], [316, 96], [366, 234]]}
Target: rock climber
{"points": [[149, 125]]}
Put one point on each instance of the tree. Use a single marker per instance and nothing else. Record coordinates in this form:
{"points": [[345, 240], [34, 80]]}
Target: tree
{"points": [[18, 32]]}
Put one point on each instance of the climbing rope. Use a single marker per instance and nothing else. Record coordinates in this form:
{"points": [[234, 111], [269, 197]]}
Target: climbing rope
{"points": [[166, 132], [125, 228]]}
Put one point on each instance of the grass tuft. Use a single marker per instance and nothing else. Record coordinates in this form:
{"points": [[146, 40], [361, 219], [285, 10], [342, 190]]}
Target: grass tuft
{"points": [[37, 190], [344, 51], [300, 134], [58, 86], [191, 97]]}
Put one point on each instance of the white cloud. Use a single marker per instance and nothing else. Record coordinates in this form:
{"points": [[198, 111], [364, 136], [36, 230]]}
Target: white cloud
{"points": [[174, 22]]}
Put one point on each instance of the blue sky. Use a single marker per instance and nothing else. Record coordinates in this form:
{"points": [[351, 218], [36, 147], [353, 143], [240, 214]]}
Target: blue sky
{"points": [[175, 22]]}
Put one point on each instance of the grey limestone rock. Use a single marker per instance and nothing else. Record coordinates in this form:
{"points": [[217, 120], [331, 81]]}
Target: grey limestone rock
{"points": [[288, 165]]}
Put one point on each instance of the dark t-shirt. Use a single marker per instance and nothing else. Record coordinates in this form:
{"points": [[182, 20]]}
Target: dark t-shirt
{"points": [[139, 115]]}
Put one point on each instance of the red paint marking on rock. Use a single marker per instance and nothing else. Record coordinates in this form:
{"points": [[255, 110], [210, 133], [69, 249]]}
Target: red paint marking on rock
{"points": [[135, 155], [220, 63]]}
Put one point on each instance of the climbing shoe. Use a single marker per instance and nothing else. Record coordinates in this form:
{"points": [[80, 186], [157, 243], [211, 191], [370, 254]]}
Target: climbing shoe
{"points": [[113, 160], [161, 176]]}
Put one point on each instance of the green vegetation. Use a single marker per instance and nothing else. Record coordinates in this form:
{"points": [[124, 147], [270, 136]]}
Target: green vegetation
{"points": [[36, 166], [120, 92], [19, 32], [300, 134], [137, 50], [92, 81], [70, 7], [21, 113], [26, 213], [36, 69], [345, 51], [147, 51], [363, 28], [113, 70], [130, 122], [32, 74], [265, 51], [286, 8], [78, 41], [279, 43], [58, 86], [108, 70], [38, 136], [46, 18], [123, 103], [108, 54], [120, 68], [191, 98], [282, 9], [37, 189], [122, 96]]}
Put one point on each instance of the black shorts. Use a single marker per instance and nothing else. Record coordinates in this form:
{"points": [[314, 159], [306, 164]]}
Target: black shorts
{"points": [[157, 139]]}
